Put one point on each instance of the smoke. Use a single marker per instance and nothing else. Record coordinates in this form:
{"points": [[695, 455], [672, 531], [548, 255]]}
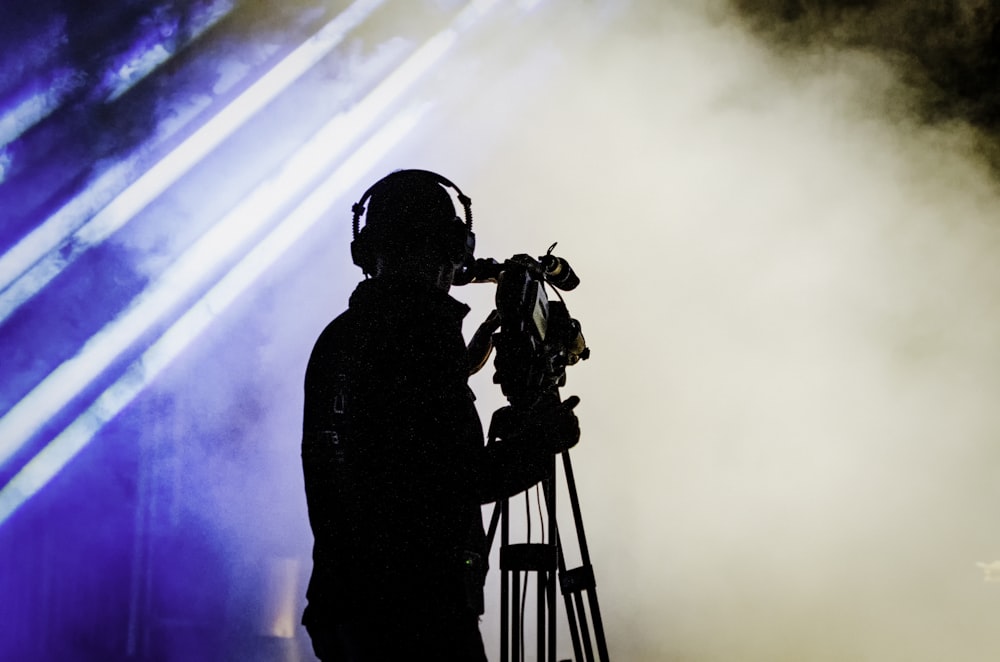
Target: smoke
{"points": [[788, 274], [949, 49]]}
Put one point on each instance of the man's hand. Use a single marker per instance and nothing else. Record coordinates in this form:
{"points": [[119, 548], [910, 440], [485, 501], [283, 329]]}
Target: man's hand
{"points": [[481, 344]]}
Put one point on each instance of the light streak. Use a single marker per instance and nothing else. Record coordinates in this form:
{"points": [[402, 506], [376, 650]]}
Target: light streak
{"points": [[128, 74], [181, 280], [35, 108], [41, 255], [66, 445]]}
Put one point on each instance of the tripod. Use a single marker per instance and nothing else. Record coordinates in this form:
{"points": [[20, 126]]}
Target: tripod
{"points": [[546, 559]]}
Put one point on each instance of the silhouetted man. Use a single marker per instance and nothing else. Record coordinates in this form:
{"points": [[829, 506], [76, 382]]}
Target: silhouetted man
{"points": [[393, 454]]}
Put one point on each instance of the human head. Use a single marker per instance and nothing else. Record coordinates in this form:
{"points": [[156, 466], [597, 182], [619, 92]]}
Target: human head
{"points": [[411, 231]]}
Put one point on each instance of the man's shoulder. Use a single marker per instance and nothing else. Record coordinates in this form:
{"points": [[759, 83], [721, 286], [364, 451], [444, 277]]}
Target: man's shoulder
{"points": [[341, 332], [339, 325]]}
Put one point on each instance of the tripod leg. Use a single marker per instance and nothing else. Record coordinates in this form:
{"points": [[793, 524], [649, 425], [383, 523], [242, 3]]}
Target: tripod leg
{"points": [[542, 586], [515, 631], [574, 630], [571, 612], [550, 576], [494, 520], [504, 586], [595, 612], [588, 649], [590, 585]]}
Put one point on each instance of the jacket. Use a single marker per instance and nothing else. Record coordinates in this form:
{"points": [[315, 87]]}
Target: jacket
{"points": [[394, 460]]}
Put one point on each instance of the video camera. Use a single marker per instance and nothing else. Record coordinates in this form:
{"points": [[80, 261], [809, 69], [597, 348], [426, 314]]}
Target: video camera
{"points": [[537, 339]]}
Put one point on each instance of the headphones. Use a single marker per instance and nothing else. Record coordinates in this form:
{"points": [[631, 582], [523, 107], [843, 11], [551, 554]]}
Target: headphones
{"points": [[456, 236]]}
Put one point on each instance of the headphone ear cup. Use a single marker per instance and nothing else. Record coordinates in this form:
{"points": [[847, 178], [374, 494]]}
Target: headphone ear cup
{"points": [[459, 238], [362, 252], [469, 247]]}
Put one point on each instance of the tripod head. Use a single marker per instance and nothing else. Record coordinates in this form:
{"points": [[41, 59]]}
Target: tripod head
{"points": [[537, 339]]}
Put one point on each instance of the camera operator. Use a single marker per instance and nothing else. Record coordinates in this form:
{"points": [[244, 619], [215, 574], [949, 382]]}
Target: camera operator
{"points": [[393, 454]]}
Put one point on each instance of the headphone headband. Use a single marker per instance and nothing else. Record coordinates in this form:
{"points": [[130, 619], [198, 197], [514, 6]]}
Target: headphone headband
{"points": [[358, 208]]}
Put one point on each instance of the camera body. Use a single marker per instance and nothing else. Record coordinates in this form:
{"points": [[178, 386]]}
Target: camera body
{"points": [[537, 338]]}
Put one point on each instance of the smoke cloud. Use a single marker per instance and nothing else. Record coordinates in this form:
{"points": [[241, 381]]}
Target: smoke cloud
{"points": [[948, 49], [788, 272]]}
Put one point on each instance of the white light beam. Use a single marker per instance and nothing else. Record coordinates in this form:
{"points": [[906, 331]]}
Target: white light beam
{"points": [[64, 447], [181, 280], [41, 255]]}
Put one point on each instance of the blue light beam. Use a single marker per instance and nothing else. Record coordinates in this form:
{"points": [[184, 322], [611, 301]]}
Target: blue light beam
{"points": [[65, 446], [41, 255], [36, 107], [181, 280]]}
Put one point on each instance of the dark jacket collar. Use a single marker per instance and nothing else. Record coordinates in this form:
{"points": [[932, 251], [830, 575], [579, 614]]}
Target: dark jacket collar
{"points": [[408, 298]]}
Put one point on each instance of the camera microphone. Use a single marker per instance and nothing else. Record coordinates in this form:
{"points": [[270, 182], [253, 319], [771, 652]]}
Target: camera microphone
{"points": [[558, 273]]}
